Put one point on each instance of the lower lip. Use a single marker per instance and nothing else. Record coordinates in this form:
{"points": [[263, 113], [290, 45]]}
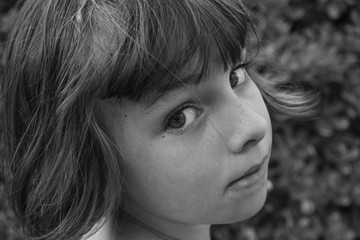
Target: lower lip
{"points": [[253, 180]]}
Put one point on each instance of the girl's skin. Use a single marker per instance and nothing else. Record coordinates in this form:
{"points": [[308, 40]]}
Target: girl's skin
{"points": [[182, 152]]}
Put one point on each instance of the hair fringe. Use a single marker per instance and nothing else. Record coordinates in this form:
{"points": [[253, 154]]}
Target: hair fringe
{"points": [[286, 100]]}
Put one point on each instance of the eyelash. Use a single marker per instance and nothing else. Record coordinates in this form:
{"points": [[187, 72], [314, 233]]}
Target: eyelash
{"points": [[244, 66], [197, 109], [178, 110]]}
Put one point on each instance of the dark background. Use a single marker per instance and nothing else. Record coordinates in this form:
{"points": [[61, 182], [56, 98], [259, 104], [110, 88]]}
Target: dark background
{"points": [[314, 192]]}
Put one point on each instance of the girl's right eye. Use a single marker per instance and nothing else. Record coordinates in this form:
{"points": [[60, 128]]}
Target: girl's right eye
{"points": [[182, 119]]}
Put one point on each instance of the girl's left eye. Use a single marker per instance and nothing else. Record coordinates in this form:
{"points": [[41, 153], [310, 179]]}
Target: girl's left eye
{"points": [[182, 119], [238, 77]]}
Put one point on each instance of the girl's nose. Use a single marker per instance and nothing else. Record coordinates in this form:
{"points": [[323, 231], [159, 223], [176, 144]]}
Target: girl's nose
{"points": [[247, 128]]}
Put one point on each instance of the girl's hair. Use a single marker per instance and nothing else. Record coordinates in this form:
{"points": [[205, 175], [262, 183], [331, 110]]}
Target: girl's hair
{"points": [[63, 169]]}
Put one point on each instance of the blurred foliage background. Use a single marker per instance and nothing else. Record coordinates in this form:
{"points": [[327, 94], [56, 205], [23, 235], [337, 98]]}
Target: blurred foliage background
{"points": [[314, 188]]}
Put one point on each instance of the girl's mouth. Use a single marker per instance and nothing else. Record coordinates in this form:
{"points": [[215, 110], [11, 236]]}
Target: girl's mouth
{"points": [[256, 175]]}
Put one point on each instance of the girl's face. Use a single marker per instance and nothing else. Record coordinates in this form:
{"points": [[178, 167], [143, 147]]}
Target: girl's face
{"points": [[192, 162]]}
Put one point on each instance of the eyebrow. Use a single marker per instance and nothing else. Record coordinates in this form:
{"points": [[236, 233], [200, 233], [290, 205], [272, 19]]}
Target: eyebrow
{"points": [[178, 84]]}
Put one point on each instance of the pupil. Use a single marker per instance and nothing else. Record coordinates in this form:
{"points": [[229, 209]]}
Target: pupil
{"points": [[234, 79], [178, 121]]}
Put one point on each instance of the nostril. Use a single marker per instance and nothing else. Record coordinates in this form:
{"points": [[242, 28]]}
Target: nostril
{"points": [[249, 144]]}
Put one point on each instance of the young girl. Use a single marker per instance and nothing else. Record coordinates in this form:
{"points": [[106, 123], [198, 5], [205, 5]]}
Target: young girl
{"points": [[136, 119]]}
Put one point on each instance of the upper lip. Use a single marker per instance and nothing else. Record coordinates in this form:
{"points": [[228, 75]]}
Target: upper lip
{"points": [[249, 171]]}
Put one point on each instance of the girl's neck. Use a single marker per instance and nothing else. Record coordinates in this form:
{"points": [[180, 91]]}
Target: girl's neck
{"points": [[164, 230]]}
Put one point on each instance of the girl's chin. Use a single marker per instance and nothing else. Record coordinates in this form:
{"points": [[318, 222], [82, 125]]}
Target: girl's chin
{"points": [[244, 208]]}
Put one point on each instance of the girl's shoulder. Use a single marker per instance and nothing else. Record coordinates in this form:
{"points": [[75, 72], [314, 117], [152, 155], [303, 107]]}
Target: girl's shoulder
{"points": [[101, 231], [107, 230]]}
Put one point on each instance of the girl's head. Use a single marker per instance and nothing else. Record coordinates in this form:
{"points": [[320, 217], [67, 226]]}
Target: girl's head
{"points": [[143, 106]]}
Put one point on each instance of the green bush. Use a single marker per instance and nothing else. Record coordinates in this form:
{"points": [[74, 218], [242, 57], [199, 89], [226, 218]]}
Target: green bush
{"points": [[314, 188]]}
